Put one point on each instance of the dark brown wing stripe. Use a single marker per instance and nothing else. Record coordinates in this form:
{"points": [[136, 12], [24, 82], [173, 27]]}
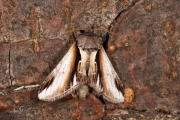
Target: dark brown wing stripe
{"points": [[46, 85], [119, 86]]}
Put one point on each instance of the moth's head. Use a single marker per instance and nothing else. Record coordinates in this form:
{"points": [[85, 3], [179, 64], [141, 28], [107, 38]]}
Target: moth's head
{"points": [[89, 42], [89, 39]]}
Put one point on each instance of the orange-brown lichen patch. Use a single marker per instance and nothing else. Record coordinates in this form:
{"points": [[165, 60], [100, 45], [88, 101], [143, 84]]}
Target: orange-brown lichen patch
{"points": [[104, 4], [148, 7], [174, 74], [76, 115], [36, 46], [67, 13], [111, 48], [118, 43], [126, 44], [129, 95], [16, 100], [3, 106]]}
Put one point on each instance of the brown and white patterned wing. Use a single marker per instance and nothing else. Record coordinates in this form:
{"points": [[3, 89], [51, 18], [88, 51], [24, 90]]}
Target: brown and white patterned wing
{"points": [[112, 87], [59, 83]]}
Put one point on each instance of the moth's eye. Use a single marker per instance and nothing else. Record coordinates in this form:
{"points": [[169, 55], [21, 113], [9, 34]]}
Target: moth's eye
{"points": [[82, 31]]}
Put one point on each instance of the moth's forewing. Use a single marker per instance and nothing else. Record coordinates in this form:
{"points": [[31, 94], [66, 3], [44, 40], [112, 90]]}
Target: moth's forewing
{"points": [[57, 84], [112, 87], [94, 76]]}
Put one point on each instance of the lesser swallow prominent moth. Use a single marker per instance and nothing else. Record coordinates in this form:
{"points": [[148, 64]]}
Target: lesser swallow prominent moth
{"points": [[93, 71]]}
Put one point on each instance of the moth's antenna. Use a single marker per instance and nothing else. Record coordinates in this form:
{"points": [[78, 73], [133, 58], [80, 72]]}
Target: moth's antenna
{"points": [[69, 31], [101, 29], [104, 30]]}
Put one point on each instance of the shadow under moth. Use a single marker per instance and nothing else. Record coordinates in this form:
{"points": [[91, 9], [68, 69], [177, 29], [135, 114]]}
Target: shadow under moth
{"points": [[92, 71]]}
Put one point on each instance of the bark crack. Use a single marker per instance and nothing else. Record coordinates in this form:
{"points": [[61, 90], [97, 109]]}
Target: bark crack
{"points": [[123, 11], [10, 77], [108, 41]]}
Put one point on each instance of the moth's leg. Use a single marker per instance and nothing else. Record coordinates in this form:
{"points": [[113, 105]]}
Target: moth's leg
{"points": [[73, 92], [92, 73], [97, 86], [82, 66], [72, 84]]}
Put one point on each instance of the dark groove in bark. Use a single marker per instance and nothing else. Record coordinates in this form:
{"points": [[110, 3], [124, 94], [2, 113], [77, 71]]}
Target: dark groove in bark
{"points": [[10, 78], [123, 11], [105, 44]]}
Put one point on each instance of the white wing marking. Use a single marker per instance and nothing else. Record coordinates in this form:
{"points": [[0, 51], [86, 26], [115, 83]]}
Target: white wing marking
{"points": [[74, 80], [109, 76], [97, 84], [59, 80]]}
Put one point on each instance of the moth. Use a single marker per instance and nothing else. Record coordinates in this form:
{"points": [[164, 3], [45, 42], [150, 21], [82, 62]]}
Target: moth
{"points": [[92, 72]]}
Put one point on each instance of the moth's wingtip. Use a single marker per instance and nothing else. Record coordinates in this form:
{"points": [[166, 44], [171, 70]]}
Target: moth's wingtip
{"points": [[115, 100], [40, 96], [43, 97], [121, 99]]}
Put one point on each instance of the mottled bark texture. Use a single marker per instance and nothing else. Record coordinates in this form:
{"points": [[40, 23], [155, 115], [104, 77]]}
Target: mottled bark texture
{"points": [[143, 43]]}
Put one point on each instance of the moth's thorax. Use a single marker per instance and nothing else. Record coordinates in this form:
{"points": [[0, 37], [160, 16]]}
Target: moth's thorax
{"points": [[89, 42], [83, 91]]}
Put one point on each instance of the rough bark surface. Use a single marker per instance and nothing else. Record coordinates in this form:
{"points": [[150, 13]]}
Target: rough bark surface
{"points": [[143, 43]]}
